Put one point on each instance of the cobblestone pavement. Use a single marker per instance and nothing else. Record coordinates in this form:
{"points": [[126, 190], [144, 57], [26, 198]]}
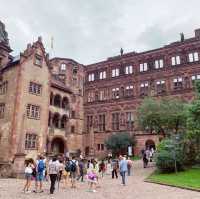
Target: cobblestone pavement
{"points": [[109, 189]]}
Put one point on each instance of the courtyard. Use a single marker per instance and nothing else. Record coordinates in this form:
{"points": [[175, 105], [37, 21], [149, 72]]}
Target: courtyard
{"points": [[110, 189]]}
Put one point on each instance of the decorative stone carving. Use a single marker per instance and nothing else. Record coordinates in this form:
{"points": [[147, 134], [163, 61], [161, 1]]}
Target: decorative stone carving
{"points": [[3, 33]]}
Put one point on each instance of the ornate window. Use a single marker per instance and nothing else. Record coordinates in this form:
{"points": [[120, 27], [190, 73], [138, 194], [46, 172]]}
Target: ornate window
{"points": [[115, 93], [176, 60], [35, 89], [194, 78], [144, 88], [102, 122], [115, 121], [91, 96], [143, 67], [2, 110], [38, 60], [129, 91], [178, 83], [33, 111], [31, 141], [100, 147], [160, 86], [129, 121]]}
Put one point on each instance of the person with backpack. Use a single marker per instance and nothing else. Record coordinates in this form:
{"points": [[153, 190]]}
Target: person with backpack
{"points": [[40, 167], [73, 171], [129, 161], [81, 166], [66, 172]]}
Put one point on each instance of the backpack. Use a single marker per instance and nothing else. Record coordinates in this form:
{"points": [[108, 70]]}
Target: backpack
{"points": [[73, 166], [41, 166], [68, 167]]}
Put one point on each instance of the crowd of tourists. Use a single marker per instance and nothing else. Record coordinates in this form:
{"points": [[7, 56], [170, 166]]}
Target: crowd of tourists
{"points": [[71, 170]]}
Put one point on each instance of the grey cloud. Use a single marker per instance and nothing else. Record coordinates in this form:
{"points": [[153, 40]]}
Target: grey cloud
{"points": [[92, 30]]}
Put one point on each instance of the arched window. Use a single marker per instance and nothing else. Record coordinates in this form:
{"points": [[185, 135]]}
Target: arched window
{"points": [[65, 103], [56, 119], [51, 99], [57, 100], [63, 121]]}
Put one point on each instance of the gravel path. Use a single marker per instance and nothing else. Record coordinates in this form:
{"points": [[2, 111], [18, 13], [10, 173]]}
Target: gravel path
{"points": [[109, 189]]}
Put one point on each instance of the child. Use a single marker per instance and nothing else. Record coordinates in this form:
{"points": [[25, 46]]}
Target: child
{"points": [[92, 180]]}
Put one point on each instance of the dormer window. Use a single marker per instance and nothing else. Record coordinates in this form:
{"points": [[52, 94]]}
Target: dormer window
{"points": [[193, 57], [38, 60], [63, 67]]}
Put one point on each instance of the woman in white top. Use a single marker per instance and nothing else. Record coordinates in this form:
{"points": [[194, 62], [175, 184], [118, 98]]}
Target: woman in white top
{"points": [[28, 175]]}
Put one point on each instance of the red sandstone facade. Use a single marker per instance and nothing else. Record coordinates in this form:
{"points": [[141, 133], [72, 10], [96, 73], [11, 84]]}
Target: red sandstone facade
{"points": [[59, 106]]}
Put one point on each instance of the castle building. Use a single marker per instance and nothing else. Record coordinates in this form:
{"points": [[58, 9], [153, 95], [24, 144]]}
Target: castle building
{"points": [[59, 106]]}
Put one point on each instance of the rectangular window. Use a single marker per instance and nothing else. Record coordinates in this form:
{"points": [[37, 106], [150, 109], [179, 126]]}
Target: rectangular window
{"points": [[115, 93], [33, 111], [160, 86], [91, 96], [102, 122], [115, 121], [176, 60], [178, 83], [91, 77], [38, 60], [129, 91], [193, 57], [144, 88], [2, 110], [128, 70], [31, 141], [194, 78], [159, 64], [89, 122], [63, 67], [102, 147], [35, 89], [143, 67], [115, 72], [3, 87], [103, 94], [102, 75], [129, 121]]}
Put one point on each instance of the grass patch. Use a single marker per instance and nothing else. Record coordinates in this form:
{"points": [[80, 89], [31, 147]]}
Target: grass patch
{"points": [[185, 179]]}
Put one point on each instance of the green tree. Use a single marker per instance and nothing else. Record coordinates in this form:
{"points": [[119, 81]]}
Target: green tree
{"points": [[119, 142], [167, 116], [193, 124]]}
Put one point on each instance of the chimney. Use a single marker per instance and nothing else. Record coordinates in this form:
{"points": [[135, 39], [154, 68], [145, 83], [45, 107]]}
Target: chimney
{"points": [[197, 33]]}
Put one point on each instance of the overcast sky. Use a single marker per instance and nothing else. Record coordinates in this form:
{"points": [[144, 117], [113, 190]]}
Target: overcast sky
{"points": [[92, 30]]}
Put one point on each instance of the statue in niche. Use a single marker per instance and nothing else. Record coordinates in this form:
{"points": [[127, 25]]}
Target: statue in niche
{"points": [[121, 51], [3, 33], [182, 37]]}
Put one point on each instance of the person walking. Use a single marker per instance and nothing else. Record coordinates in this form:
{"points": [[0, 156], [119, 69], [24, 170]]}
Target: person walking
{"points": [[81, 166], [40, 167], [123, 167], [53, 173], [102, 168], [129, 164], [114, 169], [66, 172], [145, 158], [73, 171]]}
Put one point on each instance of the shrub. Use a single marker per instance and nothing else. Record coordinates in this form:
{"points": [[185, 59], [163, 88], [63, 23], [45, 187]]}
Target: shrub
{"points": [[169, 151]]}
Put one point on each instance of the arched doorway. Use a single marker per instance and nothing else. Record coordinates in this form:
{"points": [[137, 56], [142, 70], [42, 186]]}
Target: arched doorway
{"points": [[150, 144], [57, 146]]}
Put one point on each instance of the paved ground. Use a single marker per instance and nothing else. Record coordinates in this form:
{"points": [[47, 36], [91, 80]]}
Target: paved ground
{"points": [[109, 189]]}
